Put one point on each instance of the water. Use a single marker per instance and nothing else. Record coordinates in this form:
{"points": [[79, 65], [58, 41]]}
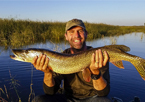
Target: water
{"points": [[125, 83]]}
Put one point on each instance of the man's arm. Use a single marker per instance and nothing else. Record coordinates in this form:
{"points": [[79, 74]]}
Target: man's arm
{"points": [[98, 62], [49, 84], [41, 63]]}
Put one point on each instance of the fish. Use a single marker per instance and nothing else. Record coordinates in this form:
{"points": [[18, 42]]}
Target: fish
{"points": [[72, 63]]}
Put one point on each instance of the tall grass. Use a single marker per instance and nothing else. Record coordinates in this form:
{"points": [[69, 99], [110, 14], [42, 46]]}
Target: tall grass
{"points": [[5, 93], [5, 96], [17, 33]]}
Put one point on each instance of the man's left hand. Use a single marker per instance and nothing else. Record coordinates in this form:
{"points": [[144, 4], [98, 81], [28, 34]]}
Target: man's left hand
{"points": [[98, 61]]}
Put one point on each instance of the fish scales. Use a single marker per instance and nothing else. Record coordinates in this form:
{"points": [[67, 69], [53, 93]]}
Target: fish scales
{"points": [[72, 63]]}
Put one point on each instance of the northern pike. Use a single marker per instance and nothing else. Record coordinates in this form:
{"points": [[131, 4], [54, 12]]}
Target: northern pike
{"points": [[72, 63]]}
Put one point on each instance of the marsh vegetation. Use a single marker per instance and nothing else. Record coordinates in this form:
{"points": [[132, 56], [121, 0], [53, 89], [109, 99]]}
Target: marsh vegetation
{"points": [[18, 33]]}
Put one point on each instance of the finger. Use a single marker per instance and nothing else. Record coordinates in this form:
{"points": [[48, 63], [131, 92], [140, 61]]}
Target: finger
{"points": [[42, 61], [38, 60], [106, 58], [46, 64], [100, 58], [97, 58], [34, 60], [93, 58]]}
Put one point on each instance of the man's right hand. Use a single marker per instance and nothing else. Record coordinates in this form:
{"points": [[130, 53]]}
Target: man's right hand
{"points": [[41, 63]]}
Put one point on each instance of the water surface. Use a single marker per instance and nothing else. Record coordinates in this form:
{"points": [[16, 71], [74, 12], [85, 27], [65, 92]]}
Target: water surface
{"points": [[125, 83]]}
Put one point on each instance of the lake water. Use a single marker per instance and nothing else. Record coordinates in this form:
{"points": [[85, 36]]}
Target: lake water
{"points": [[125, 83]]}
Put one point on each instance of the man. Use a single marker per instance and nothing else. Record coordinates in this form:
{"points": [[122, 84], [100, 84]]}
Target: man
{"points": [[85, 86]]}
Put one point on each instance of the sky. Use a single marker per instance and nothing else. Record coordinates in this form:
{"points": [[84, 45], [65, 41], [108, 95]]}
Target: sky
{"points": [[112, 12]]}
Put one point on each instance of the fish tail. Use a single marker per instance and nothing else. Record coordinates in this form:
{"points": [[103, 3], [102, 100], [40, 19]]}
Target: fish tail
{"points": [[139, 64]]}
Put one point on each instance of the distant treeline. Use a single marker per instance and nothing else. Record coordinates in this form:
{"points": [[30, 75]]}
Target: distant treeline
{"points": [[16, 33]]}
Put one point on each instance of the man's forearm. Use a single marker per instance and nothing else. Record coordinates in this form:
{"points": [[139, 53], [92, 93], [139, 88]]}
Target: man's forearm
{"points": [[100, 83], [101, 86], [48, 79], [50, 84]]}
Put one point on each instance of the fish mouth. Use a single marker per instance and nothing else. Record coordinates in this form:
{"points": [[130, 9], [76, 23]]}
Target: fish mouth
{"points": [[15, 57]]}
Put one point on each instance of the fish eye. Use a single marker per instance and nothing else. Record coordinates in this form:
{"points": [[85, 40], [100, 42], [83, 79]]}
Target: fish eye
{"points": [[26, 51]]}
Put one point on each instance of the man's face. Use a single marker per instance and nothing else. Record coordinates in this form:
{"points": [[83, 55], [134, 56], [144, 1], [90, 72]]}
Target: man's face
{"points": [[76, 37]]}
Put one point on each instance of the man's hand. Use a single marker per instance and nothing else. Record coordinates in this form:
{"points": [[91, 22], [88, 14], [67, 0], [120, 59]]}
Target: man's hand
{"points": [[98, 61], [41, 63]]}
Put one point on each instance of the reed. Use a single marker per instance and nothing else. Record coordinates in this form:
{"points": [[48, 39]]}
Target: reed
{"points": [[5, 96], [18, 33]]}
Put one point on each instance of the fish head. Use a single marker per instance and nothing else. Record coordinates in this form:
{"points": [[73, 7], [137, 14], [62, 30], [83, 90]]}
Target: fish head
{"points": [[24, 55]]}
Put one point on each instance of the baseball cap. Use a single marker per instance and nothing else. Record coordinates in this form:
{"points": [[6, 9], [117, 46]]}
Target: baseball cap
{"points": [[74, 22]]}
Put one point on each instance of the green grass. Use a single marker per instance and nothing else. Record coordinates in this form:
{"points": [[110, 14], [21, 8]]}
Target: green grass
{"points": [[18, 33]]}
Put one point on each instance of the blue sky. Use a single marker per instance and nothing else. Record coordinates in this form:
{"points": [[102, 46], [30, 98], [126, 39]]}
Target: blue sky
{"points": [[114, 12]]}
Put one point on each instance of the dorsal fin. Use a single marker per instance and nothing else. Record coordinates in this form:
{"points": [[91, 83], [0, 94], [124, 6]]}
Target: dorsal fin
{"points": [[120, 47]]}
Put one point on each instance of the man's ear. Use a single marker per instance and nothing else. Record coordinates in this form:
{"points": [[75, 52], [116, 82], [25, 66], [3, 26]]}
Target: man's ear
{"points": [[66, 36]]}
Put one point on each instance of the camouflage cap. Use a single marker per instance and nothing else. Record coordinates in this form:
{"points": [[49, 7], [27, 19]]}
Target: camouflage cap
{"points": [[74, 22]]}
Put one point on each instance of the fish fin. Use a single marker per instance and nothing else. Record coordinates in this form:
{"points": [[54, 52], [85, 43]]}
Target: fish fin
{"points": [[120, 47], [139, 64], [118, 64], [86, 74]]}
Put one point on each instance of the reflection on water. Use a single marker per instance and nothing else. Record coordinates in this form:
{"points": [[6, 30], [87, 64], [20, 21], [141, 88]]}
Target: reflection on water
{"points": [[125, 84]]}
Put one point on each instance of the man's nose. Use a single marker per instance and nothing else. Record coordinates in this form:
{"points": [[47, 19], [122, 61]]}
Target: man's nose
{"points": [[77, 34]]}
